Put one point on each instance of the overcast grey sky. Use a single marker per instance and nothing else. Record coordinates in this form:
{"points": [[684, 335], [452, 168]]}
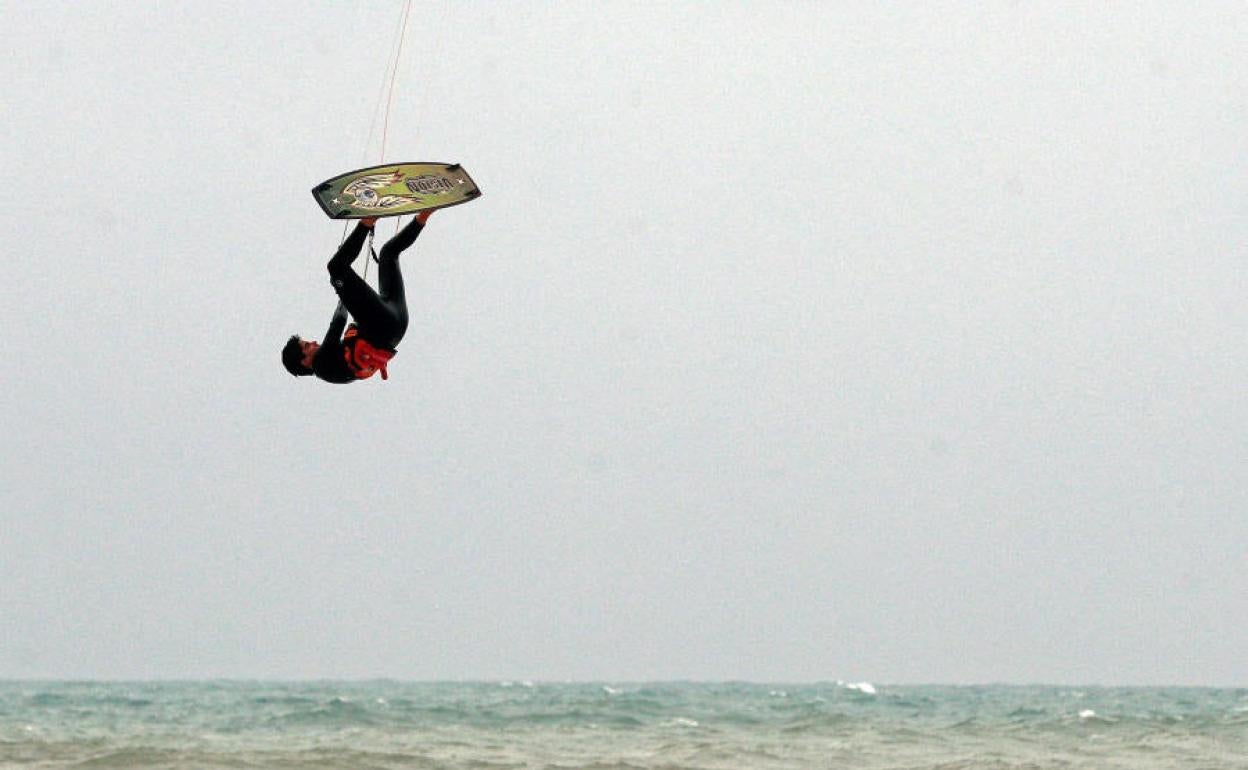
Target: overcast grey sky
{"points": [[889, 341]]}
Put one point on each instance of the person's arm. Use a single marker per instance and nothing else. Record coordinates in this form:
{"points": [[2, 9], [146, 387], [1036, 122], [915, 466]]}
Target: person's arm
{"points": [[337, 324]]}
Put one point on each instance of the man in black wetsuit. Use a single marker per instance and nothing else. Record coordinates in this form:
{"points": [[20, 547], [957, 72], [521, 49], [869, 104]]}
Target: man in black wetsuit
{"points": [[380, 316]]}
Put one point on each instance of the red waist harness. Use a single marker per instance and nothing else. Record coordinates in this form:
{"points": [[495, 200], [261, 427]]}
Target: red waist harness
{"points": [[364, 359]]}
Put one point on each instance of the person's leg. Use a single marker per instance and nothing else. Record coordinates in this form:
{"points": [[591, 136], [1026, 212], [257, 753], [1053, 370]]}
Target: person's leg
{"points": [[349, 250], [389, 277], [394, 299], [390, 281], [364, 305], [368, 309]]}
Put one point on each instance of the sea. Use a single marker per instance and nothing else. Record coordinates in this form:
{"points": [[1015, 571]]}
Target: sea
{"points": [[616, 726]]}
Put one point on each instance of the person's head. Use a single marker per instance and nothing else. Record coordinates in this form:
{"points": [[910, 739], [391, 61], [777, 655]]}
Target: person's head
{"points": [[297, 355]]}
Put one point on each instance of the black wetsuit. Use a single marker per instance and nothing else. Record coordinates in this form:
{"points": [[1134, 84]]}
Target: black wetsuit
{"points": [[381, 316]]}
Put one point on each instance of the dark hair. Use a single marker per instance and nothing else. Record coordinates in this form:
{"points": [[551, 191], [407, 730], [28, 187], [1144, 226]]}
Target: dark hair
{"points": [[292, 357]]}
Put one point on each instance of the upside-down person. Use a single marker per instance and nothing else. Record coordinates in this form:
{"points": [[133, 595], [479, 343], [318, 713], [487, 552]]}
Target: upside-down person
{"points": [[358, 351]]}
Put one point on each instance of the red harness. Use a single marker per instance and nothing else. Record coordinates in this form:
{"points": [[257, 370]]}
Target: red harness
{"points": [[364, 359]]}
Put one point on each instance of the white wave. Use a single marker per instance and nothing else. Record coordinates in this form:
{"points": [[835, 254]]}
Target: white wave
{"points": [[1087, 714], [610, 690], [862, 687]]}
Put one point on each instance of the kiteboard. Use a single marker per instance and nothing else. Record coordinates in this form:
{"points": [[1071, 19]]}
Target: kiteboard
{"points": [[395, 189]]}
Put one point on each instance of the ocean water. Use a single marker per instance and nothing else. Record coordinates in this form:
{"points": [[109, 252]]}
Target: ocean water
{"points": [[616, 726]]}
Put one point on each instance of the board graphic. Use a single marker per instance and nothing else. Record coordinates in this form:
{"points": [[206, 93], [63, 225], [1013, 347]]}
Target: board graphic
{"points": [[395, 189]]}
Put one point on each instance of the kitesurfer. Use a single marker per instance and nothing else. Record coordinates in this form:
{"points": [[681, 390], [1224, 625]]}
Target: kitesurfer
{"points": [[380, 317]]}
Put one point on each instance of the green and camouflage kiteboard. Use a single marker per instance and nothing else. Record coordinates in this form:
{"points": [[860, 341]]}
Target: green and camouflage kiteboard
{"points": [[395, 189]]}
